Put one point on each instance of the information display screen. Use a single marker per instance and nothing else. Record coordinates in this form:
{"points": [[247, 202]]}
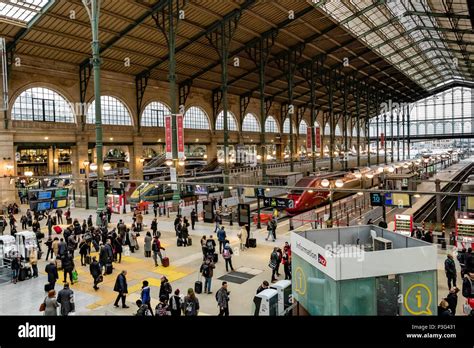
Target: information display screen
{"points": [[61, 203], [45, 194], [43, 206], [200, 190], [470, 203], [401, 200], [376, 199], [61, 193]]}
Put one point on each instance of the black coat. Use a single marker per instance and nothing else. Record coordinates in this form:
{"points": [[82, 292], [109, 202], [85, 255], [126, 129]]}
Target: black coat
{"points": [[452, 299], [121, 284], [68, 264], [52, 272], [95, 269], [467, 290]]}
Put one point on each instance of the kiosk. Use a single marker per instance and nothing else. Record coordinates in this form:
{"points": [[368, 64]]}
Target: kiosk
{"points": [[283, 288], [8, 247], [25, 241], [266, 303], [363, 270]]}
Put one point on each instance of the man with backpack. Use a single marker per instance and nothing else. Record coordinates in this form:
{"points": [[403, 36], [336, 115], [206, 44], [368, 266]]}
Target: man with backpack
{"points": [[221, 237], [207, 271], [222, 298], [227, 255], [211, 246], [176, 304]]}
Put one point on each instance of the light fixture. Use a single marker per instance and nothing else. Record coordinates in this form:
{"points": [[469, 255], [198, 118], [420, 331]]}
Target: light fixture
{"points": [[267, 189], [391, 169], [339, 183], [325, 182], [159, 140], [107, 166], [310, 191], [93, 167], [220, 160], [9, 167], [142, 160], [205, 156], [259, 157], [28, 173], [358, 175], [181, 162], [111, 139], [85, 163], [380, 169], [169, 162], [251, 140], [416, 195], [46, 138], [360, 193], [55, 160], [336, 153], [269, 157], [230, 187], [197, 140]]}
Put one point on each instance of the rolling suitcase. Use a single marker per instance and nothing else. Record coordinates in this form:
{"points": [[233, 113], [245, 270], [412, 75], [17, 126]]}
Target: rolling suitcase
{"points": [[88, 259], [108, 268], [190, 241], [252, 243], [165, 261], [179, 242], [198, 286], [215, 257], [69, 221], [58, 229]]}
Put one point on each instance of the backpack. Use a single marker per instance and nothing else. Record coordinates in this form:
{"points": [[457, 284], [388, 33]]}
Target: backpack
{"points": [[189, 307], [161, 310], [226, 254], [206, 271], [209, 245]]}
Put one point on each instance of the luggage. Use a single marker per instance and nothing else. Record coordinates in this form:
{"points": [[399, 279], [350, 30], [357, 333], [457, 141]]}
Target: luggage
{"points": [[165, 261], [126, 250], [252, 243], [25, 273], [198, 287], [58, 229], [88, 259], [69, 221], [215, 257], [190, 241], [108, 268], [179, 242]]}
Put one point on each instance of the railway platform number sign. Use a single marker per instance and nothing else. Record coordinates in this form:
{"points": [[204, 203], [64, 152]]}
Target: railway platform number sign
{"points": [[275, 202], [376, 199]]}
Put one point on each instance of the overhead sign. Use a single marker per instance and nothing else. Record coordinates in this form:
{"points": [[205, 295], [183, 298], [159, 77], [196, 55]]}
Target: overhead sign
{"points": [[318, 137], [400, 200], [200, 190], [376, 199], [308, 139], [275, 202], [168, 138], [180, 130], [259, 192]]}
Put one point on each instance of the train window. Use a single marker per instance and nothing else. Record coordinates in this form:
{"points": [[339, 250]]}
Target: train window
{"points": [[296, 192]]}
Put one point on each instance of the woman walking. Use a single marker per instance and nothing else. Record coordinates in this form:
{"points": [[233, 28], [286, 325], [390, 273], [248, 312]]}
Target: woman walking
{"points": [[147, 244], [51, 304]]}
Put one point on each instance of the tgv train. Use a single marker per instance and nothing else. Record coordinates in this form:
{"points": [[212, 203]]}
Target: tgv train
{"points": [[151, 192], [308, 199]]}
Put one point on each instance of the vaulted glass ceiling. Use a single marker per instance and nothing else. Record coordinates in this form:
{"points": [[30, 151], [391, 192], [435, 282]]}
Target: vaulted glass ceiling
{"points": [[427, 41]]}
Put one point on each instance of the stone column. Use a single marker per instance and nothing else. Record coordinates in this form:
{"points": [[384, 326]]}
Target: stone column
{"points": [[136, 159], [8, 192]]}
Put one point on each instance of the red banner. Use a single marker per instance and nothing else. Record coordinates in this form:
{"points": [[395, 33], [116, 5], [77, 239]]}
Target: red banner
{"points": [[168, 138], [382, 139], [180, 129], [308, 139], [318, 137]]}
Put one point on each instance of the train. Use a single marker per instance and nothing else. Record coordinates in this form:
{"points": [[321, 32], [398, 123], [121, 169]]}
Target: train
{"points": [[305, 200], [151, 192]]}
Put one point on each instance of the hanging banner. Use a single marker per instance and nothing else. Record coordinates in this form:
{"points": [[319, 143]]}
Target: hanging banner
{"points": [[180, 130], [173, 178], [308, 139], [382, 139], [318, 137], [168, 138]]}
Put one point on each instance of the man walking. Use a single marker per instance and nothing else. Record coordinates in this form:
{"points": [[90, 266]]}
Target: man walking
{"points": [[122, 288], [450, 269], [59, 214], [221, 237], [193, 218], [156, 248], [52, 272], [222, 297]]}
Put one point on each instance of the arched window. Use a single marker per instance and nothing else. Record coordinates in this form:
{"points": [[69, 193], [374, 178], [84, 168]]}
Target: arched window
{"points": [[113, 112], [421, 129], [42, 104], [467, 127], [430, 128], [354, 131], [231, 122], [154, 115], [327, 129], [439, 128], [271, 125], [337, 131], [196, 118], [303, 128], [286, 127], [413, 129], [448, 128], [250, 124]]}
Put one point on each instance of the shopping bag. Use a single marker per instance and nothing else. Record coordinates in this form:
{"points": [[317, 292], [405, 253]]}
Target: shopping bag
{"points": [[74, 276], [126, 250]]}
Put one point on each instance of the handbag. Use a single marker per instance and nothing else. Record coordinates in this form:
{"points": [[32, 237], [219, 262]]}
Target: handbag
{"points": [[100, 279], [272, 265], [75, 276], [43, 306]]}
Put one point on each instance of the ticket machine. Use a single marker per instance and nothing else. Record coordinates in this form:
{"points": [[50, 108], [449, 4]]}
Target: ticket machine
{"points": [[266, 303], [25, 241], [283, 288]]}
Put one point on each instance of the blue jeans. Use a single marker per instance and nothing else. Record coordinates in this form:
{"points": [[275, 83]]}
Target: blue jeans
{"points": [[15, 273], [207, 284]]}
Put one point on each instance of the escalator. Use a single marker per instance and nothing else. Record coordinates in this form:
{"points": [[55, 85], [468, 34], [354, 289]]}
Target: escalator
{"points": [[211, 166], [155, 162]]}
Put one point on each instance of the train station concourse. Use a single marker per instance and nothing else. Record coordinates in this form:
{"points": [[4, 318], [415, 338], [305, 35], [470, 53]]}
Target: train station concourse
{"points": [[303, 158]]}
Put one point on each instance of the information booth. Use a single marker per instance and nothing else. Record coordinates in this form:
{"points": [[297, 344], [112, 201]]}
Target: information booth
{"points": [[363, 270]]}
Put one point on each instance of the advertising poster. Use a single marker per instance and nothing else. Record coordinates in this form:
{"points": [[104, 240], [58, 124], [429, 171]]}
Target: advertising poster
{"points": [[168, 138]]}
